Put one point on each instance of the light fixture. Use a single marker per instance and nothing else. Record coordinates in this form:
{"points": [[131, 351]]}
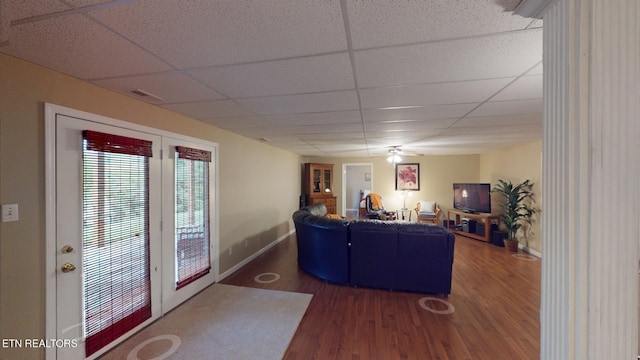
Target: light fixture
{"points": [[394, 158], [404, 195], [394, 155]]}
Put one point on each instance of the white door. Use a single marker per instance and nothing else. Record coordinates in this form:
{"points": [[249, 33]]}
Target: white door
{"points": [[72, 224]]}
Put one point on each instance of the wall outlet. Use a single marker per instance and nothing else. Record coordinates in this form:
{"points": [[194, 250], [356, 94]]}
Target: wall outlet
{"points": [[246, 243], [230, 250], [10, 212]]}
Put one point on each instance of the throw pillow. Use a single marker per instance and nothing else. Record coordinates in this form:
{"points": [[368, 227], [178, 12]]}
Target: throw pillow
{"points": [[334, 216], [427, 206]]}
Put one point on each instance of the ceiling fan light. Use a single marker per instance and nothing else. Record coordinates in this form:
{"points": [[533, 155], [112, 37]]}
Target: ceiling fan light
{"points": [[394, 158]]}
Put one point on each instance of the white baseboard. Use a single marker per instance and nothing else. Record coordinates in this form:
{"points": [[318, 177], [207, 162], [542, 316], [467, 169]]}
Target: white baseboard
{"points": [[244, 262], [530, 251]]}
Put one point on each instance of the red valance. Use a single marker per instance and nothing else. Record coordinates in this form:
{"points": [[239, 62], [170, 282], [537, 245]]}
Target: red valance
{"points": [[193, 154], [97, 141]]}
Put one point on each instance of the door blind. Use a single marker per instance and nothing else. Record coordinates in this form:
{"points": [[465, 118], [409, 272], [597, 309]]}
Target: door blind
{"points": [[191, 214], [116, 278]]}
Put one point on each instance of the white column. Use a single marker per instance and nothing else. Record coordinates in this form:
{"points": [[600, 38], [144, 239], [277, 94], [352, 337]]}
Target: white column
{"points": [[591, 180]]}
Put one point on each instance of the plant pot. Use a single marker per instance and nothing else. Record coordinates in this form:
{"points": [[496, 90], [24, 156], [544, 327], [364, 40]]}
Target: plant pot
{"points": [[511, 245]]}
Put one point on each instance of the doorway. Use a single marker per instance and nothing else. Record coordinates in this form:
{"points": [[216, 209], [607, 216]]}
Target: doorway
{"points": [[357, 181]]}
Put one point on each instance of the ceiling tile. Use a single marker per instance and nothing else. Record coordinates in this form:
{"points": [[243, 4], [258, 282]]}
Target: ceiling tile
{"points": [[419, 113], [317, 118], [13, 10], [333, 138], [286, 141], [342, 147], [513, 107], [303, 103], [202, 33], [412, 125], [505, 55], [384, 138], [537, 23], [495, 131], [265, 132], [239, 122], [67, 44], [209, 109], [528, 119], [382, 23], [526, 87], [83, 3], [432, 94], [324, 129], [282, 77], [308, 150], [170, 86], [537, 70]]}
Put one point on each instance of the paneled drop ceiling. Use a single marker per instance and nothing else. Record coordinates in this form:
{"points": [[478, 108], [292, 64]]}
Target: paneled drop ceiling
{"points": [[316, 77]]}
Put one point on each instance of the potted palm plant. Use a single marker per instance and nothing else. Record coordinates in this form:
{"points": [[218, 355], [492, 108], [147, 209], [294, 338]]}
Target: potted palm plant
{"points": [[517, 208]]}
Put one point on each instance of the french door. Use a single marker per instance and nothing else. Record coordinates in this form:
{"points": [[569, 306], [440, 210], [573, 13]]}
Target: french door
{"points": [[108, 194], [132, 231]]}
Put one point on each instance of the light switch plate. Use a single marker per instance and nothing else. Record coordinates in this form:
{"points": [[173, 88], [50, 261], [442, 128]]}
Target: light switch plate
{"points": [[9, 212]]}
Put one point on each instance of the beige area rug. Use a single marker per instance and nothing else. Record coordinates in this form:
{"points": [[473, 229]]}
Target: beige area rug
{"points": [[221, 322]]}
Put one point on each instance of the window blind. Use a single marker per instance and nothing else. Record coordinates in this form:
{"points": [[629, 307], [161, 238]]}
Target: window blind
{"points": [[191, 214], [116, 278]]}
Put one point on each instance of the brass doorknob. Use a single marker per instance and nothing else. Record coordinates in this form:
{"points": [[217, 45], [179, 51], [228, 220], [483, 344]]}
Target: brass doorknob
{"points": [[67, 249], [67, 267]]}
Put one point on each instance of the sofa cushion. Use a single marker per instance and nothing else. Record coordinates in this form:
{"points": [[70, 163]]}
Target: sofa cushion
{"points": [[316, 209], [373, 225], [374, 248], [426, 215], [425, 253], [421, 228]]}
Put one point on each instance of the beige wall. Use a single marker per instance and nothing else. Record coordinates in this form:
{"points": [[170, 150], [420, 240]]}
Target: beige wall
{"points": [[258, 185], [517, 164], [437, 174]]}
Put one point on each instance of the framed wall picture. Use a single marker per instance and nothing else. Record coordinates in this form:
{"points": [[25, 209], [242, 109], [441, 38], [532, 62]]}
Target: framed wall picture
{"points": [[408, 176]]}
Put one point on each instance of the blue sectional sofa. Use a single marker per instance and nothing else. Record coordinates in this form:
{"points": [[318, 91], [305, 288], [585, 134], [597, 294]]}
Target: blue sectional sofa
{"points": [[390, 255]]}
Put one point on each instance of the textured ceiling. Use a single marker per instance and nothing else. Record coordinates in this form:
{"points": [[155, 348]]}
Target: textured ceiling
{"points": [[316, 77]]}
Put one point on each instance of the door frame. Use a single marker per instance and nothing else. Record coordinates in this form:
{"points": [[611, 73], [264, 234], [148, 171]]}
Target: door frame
{"points": [[344, 182], [50, 263]]}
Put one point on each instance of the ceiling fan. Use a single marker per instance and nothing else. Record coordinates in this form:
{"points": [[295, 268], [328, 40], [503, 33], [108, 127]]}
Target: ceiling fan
{"points": [[396, 152]]}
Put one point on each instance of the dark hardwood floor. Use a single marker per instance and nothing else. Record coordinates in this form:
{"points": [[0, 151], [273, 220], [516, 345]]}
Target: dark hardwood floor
{"points": [[496, 298]]}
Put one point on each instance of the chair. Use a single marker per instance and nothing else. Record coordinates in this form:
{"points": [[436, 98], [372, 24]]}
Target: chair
{"points": [[374, 208], [428, 211], [362, 207]]}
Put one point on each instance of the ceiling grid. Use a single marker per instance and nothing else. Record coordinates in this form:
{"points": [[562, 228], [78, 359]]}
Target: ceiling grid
{"points": [[335, 78]]}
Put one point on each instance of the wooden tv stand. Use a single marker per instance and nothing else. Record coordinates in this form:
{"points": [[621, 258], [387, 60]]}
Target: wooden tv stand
{"points": [[484, 218]]}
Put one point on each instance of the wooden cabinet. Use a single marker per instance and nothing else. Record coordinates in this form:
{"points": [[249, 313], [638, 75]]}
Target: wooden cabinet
{"points": [[483, 220], [318, 185]]}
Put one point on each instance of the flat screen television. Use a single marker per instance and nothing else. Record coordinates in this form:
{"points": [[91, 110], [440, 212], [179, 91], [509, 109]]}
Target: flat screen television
{"points": [[472, 197]]}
